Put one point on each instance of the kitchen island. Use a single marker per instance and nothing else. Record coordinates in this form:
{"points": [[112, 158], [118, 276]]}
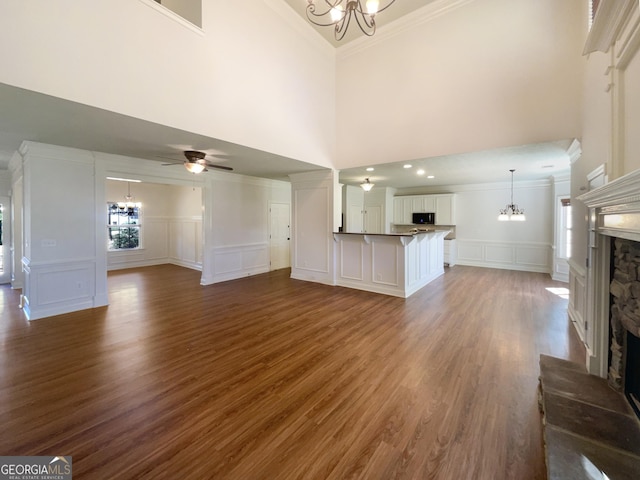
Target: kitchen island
{"points": [[392, 264]]}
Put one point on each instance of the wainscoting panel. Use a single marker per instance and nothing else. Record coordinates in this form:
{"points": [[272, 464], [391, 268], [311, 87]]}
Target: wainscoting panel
{"points": [[500, 254], [529, 257], [54, 288], [238, 261], [384, 263], [577, 308], [351, 260], [165, 240]]}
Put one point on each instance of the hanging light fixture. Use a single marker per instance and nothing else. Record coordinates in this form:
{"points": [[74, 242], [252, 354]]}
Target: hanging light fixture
{"points": [[193, 167], [338, 14], [511, 211], [129, 199], [367, 185]]}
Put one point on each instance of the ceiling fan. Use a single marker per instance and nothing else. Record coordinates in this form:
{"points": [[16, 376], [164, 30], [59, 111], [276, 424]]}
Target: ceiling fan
{"points": [[196, 162]]}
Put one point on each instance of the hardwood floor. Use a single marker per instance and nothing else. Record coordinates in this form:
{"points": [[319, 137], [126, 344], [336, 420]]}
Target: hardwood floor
{"points": [[272, 378]]}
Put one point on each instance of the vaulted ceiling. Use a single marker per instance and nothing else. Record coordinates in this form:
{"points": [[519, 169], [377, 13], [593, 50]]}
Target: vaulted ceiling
{"points": [[32, 116]]}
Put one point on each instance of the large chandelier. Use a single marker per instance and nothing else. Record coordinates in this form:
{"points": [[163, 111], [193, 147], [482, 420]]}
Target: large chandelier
{"points": [[338, 13], [511, 211]]}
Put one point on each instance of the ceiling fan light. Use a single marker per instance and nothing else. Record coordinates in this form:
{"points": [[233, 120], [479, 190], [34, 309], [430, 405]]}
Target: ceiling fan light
{"points": [[193, 167]]}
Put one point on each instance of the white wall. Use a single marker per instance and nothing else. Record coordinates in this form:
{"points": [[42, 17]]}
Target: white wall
{"points": [[632, 116], [265, 79], [315, 216], [64, 235], [236, 226], [492, 73]]}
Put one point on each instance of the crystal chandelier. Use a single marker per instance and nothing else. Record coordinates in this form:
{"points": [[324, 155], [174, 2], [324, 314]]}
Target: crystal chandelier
{"points": [[511, 211], [338, 13]]}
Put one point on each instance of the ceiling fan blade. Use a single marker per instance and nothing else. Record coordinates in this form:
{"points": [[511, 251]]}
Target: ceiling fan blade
{"points": [[169, 164], [221, 167]]}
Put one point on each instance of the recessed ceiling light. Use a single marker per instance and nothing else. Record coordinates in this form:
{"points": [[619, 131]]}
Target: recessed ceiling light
{"points": [[548, 166], [420, 172], [407, 166], [430, 176], [370, 169]]}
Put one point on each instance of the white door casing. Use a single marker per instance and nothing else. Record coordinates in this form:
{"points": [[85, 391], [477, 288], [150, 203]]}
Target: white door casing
{"points": [[280, 235]]}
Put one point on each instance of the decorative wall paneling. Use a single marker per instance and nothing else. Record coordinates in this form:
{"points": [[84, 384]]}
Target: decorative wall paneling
{"points": [[390, 265], [236, 261], [165, 240], [528, 257], [54, 288], [577, 308]]}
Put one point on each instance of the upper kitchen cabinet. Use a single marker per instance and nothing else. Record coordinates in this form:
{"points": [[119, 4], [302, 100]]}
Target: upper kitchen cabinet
{"points": [[445, 209], [442, 204]]}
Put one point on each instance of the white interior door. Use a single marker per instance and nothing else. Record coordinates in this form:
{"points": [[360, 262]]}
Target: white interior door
{"points": [[280, 228], [5, 240], [355, 222], [373, 219]]}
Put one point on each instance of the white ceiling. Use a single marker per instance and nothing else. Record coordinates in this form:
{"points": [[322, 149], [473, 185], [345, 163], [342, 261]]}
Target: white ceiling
{"points": [[531, 162], [27, 115]]}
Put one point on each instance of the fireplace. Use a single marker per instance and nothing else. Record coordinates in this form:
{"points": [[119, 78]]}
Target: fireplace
{"points": [[624, 328], [632, 372]]}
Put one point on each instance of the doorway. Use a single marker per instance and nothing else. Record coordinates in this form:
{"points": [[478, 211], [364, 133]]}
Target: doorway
{"points": [[5, 240], [280, 235]]}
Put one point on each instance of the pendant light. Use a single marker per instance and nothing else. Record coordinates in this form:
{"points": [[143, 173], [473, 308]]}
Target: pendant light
{"points": [[511, 212], [367, 185]]}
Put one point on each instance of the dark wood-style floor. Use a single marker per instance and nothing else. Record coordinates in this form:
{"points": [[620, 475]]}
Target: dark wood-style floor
{"points": [[272, 378]]}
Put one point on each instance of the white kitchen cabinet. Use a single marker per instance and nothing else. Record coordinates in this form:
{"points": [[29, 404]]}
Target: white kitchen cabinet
{"points": [[445, 209], [402, 210], [450, 252], [442, 204]]}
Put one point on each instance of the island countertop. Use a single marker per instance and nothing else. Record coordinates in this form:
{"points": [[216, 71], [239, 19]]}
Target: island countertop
{"points": [[402, 234]]}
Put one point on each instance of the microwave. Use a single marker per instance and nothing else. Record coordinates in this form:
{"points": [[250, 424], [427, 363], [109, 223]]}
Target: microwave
{"points": [[428, 218]]}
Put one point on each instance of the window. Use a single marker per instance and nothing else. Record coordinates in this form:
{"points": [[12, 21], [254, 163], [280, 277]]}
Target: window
{"points": [[124, 226]]}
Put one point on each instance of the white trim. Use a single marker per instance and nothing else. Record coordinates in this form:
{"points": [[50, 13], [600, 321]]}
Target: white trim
{"points": [[173, 16], [520, 256], [421, 16], [610, 19]]}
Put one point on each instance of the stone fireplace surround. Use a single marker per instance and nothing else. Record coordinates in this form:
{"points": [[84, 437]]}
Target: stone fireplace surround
{"points": [[625, 308]]}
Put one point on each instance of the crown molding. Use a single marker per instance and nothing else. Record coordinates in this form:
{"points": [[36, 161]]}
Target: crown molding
{"points": [[609, 20], [302, 27], [421, 16], [574, 151]]}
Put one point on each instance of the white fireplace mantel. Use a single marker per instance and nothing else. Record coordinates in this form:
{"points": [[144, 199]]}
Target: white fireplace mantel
{"points": [[614, 211], [616, 206]]}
